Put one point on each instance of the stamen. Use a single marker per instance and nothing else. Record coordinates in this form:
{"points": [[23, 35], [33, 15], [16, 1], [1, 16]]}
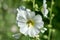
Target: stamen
{"points": [[30, 23]]}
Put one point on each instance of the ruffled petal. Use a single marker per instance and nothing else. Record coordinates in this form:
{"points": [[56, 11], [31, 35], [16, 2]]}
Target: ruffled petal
{"points": [[21, 13], [46, 12], [39, 25], [33, 32], [24, 30], [30, 14], [22, 24], [37, 19]]}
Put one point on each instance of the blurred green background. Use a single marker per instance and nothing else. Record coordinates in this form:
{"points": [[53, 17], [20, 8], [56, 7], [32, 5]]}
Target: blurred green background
{"points": [[8, 12]]}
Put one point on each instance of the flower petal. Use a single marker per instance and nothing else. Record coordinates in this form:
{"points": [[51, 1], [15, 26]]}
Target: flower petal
{"points": [[21, 13], [21, 24], [37, 19], [33, 32], [39, 25], [46, 12], [24, 30], [30, 14]]}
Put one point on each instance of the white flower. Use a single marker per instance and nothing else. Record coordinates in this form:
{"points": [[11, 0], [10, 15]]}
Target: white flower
{"points": [[29, 23], [16, 35], [44, 9], [43, 30]]}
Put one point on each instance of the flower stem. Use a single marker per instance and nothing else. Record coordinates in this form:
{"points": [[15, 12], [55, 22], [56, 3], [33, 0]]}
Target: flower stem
{"points": [[33, 3], [49, 34], [51, 12], [50, 20]]}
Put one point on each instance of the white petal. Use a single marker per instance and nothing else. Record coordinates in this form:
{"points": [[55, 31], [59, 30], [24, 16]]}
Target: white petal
{"points": [[44, 6], [39, 25], [44, 1], [24, 30], [33, 32], [46, 12], [30, 14], [21, 19], [30, 32], [16, 36], [45, 28], [28, 10], [21, 24], [42, 31], [37, 19], [21, 13]]}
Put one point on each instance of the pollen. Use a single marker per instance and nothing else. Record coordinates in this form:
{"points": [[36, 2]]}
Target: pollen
{"points": [[30, 23]]}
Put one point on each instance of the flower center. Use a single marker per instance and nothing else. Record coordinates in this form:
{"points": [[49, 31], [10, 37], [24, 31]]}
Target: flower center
{"points": [[30, 23]]}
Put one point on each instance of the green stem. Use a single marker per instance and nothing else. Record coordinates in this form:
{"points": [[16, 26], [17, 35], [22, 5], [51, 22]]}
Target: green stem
{"points": [[49, 34], [51, 12], [33, 3], [50, 20]]}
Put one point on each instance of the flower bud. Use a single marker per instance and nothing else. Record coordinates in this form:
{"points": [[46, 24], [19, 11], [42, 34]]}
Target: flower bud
{"points": [[45, 36], [49, 26]]}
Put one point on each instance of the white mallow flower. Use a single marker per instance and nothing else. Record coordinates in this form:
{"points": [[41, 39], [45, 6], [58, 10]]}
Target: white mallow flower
{"points": [[44, 9], [29, 23]]}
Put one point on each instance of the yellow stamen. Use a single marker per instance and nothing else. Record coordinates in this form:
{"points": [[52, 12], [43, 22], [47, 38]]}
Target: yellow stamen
{"points": [[30, 23]]}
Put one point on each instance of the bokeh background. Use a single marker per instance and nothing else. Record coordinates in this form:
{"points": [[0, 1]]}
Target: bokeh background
{"points": [[8, 25]]}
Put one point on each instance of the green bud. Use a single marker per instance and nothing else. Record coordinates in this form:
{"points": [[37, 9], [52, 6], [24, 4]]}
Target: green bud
{"points": [[36, 7], [45, 37], [53, 15], [52, 2], [53, 30], [49, 26]]}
